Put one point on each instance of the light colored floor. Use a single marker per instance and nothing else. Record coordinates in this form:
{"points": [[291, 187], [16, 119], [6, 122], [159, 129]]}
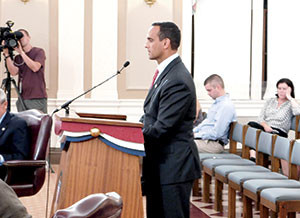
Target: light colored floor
{"points": [[207, 208], [36, 205]]}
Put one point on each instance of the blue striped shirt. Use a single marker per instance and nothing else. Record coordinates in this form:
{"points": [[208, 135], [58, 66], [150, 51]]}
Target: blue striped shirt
{"points": [[217, 123]]}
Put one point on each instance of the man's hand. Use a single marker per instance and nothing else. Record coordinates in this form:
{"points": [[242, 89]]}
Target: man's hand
{"points": [[5, 50], [19, 48], [268, 129], [9, 61]]}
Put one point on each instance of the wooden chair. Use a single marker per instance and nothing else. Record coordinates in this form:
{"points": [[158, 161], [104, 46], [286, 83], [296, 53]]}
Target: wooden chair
{"points": [[236, 135], [284, 201], [295, 126], [253, 187], [222, 171], [236, 179], [27, 177], [209, 165]]}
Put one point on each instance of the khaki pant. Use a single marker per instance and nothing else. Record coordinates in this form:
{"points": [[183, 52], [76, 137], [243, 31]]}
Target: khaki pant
{"points": [[10, 205], [38, 103], [208, 146]]}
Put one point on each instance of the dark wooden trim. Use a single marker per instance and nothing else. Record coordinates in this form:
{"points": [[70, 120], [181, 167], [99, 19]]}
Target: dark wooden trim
{"points": [[103, 116], [101, 122]]}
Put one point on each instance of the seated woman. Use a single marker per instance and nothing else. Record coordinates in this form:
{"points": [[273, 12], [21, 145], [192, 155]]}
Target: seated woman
{"points": [[277, 113]]}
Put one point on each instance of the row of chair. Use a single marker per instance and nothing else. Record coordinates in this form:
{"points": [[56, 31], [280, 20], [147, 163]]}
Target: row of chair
{"points": [[235, 137], [40, 130], [236, 171], [266, 192]]}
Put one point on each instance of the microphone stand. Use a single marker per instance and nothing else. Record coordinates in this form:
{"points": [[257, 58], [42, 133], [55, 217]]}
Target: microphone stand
{"points": [[66, 104]]}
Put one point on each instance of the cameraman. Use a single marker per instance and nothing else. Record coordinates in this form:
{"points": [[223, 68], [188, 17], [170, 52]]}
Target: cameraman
{"points": [[30, 65]]}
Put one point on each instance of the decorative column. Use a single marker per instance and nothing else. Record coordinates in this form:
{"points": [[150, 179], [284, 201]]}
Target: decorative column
{"points": [[105, 48], [256, 57], [71, 41]]}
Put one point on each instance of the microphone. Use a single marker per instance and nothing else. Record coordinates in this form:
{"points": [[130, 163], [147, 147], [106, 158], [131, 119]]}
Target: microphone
{"points": [[66, 104], [124, 66]]}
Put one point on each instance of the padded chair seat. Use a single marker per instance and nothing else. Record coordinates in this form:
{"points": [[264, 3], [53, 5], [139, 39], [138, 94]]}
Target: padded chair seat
{"points": [[256, 185], [239, 177], [225, 170], [225, 155], [25, 189], [280, 194], [212, 163]]}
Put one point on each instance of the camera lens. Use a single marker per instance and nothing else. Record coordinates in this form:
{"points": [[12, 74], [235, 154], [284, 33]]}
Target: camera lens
{"points": [[12, 43]]}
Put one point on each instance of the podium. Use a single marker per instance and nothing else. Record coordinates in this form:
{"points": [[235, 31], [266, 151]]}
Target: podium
{"points": [[99, 156]]}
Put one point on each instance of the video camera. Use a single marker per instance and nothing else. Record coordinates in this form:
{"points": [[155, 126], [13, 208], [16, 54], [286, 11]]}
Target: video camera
{"points": [[9, 37]]}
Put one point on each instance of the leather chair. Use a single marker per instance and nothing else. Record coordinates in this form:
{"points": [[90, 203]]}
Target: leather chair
{"points": [[26, 177], [94, 206]]}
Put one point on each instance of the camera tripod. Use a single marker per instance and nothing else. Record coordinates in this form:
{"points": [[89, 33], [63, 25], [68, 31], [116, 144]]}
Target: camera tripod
{"points": [[6, 86]]}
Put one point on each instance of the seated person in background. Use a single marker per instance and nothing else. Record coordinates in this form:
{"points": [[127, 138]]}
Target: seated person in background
{"points": [[14, 136], [276, 115], [212, 133]]}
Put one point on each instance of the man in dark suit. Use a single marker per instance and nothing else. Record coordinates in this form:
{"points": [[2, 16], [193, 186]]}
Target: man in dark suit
{"points": [[14, 136], [171, 163]]}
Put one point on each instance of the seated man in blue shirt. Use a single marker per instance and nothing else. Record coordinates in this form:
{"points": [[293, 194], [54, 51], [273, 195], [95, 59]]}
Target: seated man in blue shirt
{"points": [[212, 133], [14, 136]]}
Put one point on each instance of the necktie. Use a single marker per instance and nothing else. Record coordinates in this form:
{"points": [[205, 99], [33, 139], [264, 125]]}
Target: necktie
{"points": [[154, 77]]}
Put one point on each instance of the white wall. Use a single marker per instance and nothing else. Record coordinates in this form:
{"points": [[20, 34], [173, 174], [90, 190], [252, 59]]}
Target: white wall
{"points": [[36, 23], [70, 48], [186, 36], [105, 48], [257, 44], [139, 19], [222, 45], [283, 43]]}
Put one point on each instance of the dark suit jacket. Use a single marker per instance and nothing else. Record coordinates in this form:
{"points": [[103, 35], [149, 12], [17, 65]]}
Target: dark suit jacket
{"points": [[14, 138], [169, 112]]}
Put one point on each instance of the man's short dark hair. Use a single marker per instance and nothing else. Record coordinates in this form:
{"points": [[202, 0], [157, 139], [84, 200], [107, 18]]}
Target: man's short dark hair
{"points": [[213, 79], [171, 31]]}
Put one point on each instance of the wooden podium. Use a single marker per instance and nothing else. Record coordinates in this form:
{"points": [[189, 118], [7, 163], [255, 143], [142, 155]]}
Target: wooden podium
{"points": [[99, 163]]}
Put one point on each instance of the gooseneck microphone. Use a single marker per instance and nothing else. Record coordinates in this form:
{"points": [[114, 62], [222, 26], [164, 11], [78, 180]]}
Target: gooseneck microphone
{"points": [[66, 104], [124, 66]]}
